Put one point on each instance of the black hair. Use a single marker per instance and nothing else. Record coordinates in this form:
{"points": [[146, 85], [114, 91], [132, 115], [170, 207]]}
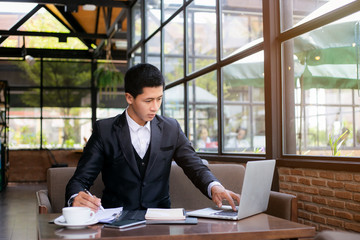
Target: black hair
{"points": [[140, 76], [241, 128]]}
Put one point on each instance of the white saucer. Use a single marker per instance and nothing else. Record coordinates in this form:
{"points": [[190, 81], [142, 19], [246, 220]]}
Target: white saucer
{"points": [[61, 222]]}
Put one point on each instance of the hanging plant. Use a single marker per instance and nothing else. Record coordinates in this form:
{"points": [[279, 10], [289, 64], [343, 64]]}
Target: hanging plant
{"points": [[107, 76]]}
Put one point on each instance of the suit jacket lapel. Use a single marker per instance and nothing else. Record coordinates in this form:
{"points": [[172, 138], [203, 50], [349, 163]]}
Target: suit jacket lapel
{"points": [[123, 136], [155, 142]]}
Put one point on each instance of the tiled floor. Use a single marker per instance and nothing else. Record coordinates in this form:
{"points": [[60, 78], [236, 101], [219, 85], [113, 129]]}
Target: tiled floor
{"points": [[18, 211]]}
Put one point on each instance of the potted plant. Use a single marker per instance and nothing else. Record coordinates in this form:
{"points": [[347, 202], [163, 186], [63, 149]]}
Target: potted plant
{"points": [[107, 76]]}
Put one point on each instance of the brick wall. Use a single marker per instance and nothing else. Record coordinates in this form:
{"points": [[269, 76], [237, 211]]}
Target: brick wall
{"points": [[326, 199]]}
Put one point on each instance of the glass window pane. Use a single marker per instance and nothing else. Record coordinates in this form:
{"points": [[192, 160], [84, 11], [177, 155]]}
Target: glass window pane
{"points": [[240, 27], [43, 21], [136, 20], [102, 113], [201, 24], [258, 128], [56, 112], [236, 130], [244, 128], [29, 112], [244, 112], [67, 74], [11, 13], [320, 84], [174, 49], [24, 98], [248, 71], [174, 104], [357, 97], [323, 128], [66, 98], [203, 113], [152, 16], [20, 73], [357, 130], [346, 96], [258, 94], [135, 57], [111, 105], [170, 7], [24, 133], [153, 55], [295, 12], [66, 133]]}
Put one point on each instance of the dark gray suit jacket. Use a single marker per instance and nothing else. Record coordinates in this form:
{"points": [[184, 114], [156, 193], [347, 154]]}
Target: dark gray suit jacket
{"points": [[110, 150]]}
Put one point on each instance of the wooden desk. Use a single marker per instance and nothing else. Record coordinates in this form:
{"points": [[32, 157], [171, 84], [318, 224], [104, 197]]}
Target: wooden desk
{"points": [[261, 226]]}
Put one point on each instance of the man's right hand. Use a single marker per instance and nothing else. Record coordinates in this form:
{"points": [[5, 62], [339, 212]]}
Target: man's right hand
{"points": [[85, 200]]}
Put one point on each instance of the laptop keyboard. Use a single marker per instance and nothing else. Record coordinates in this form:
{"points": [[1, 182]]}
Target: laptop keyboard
{"points": [[229, 213]]}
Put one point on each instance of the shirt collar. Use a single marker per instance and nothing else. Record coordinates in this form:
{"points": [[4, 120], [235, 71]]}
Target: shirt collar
{"points": [[134, 126]]}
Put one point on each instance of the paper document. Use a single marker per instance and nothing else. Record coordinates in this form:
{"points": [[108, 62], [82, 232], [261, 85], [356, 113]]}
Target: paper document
{"points": [[165, 214], [108, 215]]}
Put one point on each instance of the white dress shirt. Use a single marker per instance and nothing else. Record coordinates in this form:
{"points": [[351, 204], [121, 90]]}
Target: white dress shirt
{"points": [[140, 135]]}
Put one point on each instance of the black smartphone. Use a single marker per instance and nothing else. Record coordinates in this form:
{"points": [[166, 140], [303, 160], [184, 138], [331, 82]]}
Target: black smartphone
{"points": [[125, 223]]}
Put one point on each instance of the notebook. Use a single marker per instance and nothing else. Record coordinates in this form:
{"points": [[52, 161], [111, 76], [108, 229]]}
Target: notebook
{"points": [[254, 197], [128, 218]]}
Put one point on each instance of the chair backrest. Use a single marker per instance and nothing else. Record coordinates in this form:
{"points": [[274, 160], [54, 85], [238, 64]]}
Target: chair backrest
{"points": [[57, 178], [182, 192]]}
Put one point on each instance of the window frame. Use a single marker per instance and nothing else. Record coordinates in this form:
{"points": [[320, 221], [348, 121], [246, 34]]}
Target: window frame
{"points": [[41, 88], [340, 163], [271, 45]]}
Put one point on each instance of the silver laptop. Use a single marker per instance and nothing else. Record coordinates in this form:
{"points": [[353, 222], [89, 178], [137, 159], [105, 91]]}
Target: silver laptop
{"points": [[254, 197]]}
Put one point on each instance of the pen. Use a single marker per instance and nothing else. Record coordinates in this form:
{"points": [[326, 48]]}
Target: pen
{"points": [[89, 193]]}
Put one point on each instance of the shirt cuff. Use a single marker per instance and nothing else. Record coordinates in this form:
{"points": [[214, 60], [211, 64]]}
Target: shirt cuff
{"points": [[71, 199], [214, 183]]}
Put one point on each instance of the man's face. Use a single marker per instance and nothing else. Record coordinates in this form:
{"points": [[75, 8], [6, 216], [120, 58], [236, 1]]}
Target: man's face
{"points": [[241, 134], [144, 107]]}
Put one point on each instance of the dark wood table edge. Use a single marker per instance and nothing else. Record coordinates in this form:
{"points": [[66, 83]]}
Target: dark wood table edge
{"points": [[305, 232]]}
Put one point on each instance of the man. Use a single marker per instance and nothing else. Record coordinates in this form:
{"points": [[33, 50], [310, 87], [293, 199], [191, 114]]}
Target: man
{"points": [[134, 151]]}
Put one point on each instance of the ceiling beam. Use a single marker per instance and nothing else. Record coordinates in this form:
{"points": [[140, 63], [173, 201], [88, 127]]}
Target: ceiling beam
{"points": [[110, 32], [97, 21], [53, 53], [58, 53], [75, 25], [119, 35], [119, 19], [104, 3], [55, 34]]}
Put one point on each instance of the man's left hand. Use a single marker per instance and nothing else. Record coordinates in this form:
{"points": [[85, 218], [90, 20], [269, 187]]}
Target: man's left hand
{"points": [[219, 193]]}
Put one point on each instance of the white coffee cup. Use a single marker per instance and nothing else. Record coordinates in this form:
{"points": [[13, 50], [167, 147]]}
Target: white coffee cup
{"points": [[78, 215]]}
